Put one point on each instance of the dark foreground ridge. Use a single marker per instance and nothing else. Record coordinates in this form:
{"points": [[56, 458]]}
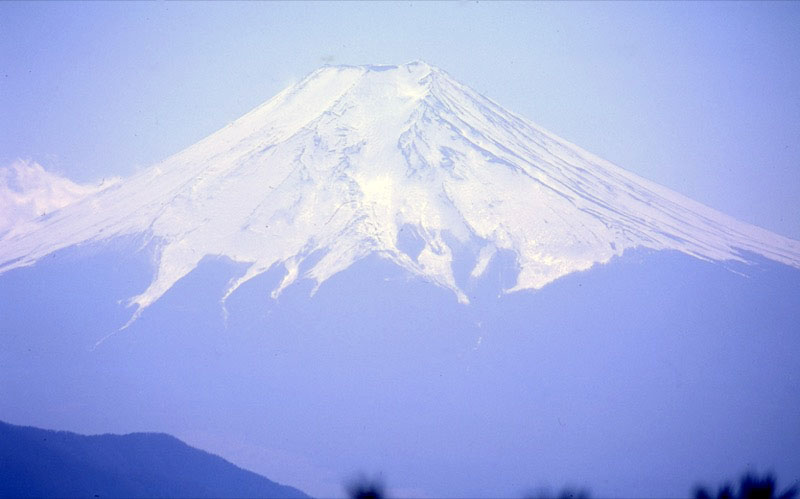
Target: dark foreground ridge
{"points": [[45, 463]]}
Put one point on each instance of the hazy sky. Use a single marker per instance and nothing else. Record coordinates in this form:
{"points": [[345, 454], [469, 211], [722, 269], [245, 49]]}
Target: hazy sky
{"points": [[701, 97]]}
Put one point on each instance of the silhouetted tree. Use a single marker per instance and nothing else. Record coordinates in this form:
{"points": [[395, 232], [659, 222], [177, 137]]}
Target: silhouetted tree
{"points": [[364, 488], [750, 487], [566, 493]]}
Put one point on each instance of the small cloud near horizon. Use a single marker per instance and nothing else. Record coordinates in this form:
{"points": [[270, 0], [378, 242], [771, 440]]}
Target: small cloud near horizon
{"points": [[28, 191]]}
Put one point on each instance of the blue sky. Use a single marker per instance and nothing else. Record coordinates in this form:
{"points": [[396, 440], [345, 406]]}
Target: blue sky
{"points": [[701, 97]]}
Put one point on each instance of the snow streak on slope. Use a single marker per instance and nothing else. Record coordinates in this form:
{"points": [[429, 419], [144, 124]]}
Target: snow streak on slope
{"points": [[336, 166]]}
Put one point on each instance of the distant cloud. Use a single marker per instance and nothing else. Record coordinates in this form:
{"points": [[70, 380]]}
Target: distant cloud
{"points": [[28, 191]]}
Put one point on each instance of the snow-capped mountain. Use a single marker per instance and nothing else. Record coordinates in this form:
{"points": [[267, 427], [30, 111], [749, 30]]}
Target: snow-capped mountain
{"points": [[402, 161], [634, 378]]}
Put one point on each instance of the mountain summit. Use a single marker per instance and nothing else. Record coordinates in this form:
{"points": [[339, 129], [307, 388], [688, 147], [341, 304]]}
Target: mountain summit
{"points": [[402, 161]]}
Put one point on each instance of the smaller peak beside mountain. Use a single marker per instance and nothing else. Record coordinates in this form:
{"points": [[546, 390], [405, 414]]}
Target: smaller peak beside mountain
{"points": [[46, 463]]}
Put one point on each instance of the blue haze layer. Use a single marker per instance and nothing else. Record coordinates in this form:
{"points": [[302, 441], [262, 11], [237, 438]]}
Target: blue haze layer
{"points": [[636, 378]]}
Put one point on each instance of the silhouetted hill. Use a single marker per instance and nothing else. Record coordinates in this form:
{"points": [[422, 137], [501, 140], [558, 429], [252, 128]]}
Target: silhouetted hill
{"points": [[44, 463]]}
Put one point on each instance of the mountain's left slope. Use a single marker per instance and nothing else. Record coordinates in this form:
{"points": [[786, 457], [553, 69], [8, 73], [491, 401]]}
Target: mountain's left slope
{"points": [[44, 463]]}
